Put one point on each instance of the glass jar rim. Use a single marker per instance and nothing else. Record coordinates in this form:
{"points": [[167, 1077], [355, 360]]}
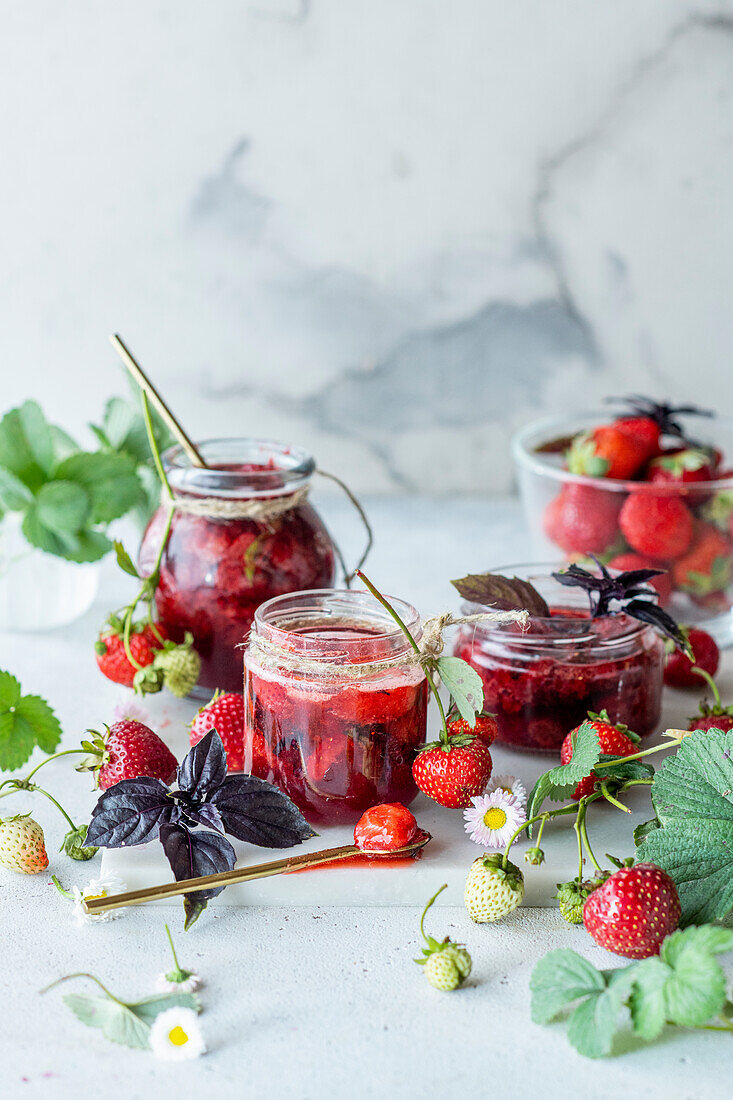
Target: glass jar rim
{"points": [[276, 619], [527, 458], [293, 465], [629, 627]]}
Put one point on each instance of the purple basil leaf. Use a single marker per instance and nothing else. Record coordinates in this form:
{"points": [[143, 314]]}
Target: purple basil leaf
{"points": [[255, 811], [203, 814], [131, 812], [648, 612], [204, 767], [191, 854]]}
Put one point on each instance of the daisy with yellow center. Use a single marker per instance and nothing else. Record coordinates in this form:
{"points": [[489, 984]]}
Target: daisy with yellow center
{"points": [[510, 785], [97, 888], [175, 1035], [493, 818]]}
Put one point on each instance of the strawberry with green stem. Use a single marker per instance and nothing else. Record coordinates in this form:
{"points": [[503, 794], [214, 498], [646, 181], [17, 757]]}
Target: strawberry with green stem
{"points": [[457, 767], [447, 964], [73, 842], [715, 715], [151, 661]]}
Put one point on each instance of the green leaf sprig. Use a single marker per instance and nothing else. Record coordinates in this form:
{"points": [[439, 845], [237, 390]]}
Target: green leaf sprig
{"points": [[684, 986], [66, 497], [461, 680], [124, 1022]]}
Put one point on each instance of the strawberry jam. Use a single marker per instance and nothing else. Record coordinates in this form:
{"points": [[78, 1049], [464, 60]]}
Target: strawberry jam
{"points": [[385, 828], [541, 683], [218, 567], [331, 694]]}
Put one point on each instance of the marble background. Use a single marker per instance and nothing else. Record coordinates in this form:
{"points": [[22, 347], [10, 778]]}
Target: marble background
{"points": [[390, 230]]}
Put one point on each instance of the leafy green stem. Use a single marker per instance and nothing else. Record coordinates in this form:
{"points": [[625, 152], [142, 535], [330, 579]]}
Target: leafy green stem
{"points": [[614, 801], [428, 674], [83, 974], [586, 841], [543, 817], [633, 756], [56, 756], [425, 910]]}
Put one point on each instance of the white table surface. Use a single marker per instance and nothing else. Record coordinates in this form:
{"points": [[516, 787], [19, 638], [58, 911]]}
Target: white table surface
{"points": [[304, 1002]]}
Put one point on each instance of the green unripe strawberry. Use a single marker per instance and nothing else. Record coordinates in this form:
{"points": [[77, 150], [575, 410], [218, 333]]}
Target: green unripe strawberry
{"points": [[492, 890], [571, 896], [22, 846], [447, 964], [180, 666]]}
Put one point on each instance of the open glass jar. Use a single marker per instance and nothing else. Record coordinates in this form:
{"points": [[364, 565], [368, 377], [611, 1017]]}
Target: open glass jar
{"points": [[334, 707], [242, 532], [541, 682]]}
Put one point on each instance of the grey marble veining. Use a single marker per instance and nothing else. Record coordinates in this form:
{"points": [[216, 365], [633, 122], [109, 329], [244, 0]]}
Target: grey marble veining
{"points": [[390, 232]]}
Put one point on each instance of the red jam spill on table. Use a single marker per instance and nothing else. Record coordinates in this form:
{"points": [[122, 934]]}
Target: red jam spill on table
{"points": [[216, 572], [542, 683]]}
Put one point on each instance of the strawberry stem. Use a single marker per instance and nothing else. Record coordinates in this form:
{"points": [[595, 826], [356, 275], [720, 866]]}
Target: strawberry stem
{"points": [[614, 801], [586, 841], [710, 682], [444, 736], [425, 910], [84, 974], [16, 785]]}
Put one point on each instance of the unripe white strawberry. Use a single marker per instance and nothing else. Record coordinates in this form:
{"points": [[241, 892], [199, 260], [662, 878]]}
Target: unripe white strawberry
{"points": [[22, 846], [492, 890], [447, 964]]}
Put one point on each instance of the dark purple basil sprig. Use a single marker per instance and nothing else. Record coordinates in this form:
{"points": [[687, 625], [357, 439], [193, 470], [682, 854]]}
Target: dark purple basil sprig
{"points": [[662, 413], [190, 819], [629, 591]]}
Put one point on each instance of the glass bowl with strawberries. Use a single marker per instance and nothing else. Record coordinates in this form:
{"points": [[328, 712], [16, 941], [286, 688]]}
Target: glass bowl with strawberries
{"points": [[335, 705], [577, 656], [649, 488], [242, 532]]}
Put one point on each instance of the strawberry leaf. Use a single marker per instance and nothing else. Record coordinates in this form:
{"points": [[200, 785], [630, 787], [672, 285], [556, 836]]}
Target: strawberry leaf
{"points": [[560, 782], [685, 985], [465, 686], [126, 1023], [560, 979], [692, 794], [25, 721], [108, 479]]}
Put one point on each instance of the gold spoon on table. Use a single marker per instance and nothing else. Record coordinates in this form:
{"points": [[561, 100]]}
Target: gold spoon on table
{"points": [[246, 874]]}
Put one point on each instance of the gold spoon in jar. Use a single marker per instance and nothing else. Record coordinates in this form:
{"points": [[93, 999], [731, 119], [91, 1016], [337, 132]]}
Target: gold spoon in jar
{"points": [[246, 874], [147, 386]]}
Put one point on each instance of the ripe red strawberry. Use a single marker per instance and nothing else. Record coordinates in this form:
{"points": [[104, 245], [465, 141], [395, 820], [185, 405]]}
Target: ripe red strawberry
{"points": [[631, 560], [582, 519], [656, 525], [112, 659], [453, 773], [615, 740], [712, 715], [707, 565], [679, 670], [486, 727], [384, 828], [607, 451], [225, 714], [645, 432], [126, 751], [681, 466], [633, 911]]}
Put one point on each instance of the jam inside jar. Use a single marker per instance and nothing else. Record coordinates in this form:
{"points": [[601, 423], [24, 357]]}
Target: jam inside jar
{"points": [[540, 683], [242, 532], [333, 704]]}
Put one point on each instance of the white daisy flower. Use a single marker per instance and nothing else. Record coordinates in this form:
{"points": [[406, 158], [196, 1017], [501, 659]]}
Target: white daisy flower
{"points": [[510, 785], [97, 888], [175, 1035], [492, 819], [131, 710], [178, 981]]}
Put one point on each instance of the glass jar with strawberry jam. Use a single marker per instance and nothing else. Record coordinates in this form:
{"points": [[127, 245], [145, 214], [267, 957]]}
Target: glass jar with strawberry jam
{"points": [[334, 705], [242, 531], [541, 682]]}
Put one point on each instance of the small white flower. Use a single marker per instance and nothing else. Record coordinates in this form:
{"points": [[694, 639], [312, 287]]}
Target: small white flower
{"points": [[131, 710], [510, 785], [167, 983], [492, 819], [175, 1035], [97, 888]]}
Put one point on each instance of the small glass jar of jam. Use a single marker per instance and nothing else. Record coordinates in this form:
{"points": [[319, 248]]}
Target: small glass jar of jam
{"points": [[334, 705], [540, 682], [242, 531]]}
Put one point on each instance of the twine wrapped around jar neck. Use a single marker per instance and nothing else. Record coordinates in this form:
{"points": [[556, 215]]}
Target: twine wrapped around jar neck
{"points": [[260, 509], [272, 656]]}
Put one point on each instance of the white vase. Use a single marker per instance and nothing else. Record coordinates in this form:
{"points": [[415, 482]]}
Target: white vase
{"points": [[39, 591]]}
